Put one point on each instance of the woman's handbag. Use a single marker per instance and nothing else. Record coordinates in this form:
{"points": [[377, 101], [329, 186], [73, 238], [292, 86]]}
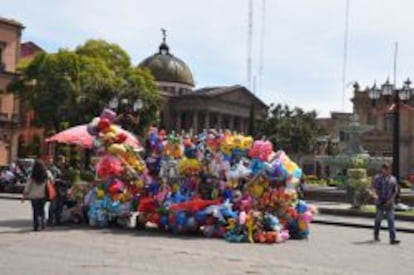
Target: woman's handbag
{"points": [[50, 191]]}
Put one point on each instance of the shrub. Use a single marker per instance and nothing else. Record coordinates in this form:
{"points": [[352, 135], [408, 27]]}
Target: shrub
{"points": [[358, 185], [405, 184]]}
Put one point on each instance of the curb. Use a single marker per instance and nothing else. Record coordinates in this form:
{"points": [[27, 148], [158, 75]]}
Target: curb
{"points": [[2, 197], [356, 213], [359, 225]]}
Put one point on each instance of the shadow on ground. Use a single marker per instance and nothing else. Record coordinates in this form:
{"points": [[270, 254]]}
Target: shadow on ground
{"points": [[20, 226]]}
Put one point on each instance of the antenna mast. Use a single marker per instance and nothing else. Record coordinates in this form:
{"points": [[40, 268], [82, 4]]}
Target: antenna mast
{"points": [[249, 45], [345, 57], [262, 36], [395, 63]]}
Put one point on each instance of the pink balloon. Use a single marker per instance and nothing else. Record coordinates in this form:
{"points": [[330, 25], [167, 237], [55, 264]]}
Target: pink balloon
{"points": [[242, 217], [307, 216]]}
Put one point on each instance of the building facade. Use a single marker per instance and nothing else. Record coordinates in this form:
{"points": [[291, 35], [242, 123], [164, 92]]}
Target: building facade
{"points": [[16, 129], [10, 37], [188, 108], [378, 142]]}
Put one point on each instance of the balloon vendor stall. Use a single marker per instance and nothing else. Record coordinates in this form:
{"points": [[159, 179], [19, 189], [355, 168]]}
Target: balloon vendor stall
{"points": [[221, 185]]}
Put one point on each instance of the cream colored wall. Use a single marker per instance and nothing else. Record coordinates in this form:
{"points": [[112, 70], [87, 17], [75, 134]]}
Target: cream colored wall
{"points": [[11, 36], [3, 154]]}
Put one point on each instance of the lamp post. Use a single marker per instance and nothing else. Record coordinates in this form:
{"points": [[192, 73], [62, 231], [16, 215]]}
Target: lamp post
{"points": [[389, 92], [127, 110]]}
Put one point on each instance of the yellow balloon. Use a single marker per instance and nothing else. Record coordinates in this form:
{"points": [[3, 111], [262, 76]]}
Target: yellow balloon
{"points": [[109, 137], [290, 166], [117, 149], [247, 142], [302, 225], [139, 184], [100, 194]]}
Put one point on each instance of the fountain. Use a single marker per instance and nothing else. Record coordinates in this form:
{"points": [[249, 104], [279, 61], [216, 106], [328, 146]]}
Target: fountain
{"points": [[354, 155], [355, 160]]}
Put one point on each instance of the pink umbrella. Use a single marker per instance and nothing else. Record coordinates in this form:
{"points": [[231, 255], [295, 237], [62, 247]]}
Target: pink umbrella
{"points": [[78, 135]]}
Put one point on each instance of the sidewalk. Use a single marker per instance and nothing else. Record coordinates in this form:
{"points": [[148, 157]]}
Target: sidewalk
{"points": [[343, 209], [401, 226], [10, 196], [335, 213]]}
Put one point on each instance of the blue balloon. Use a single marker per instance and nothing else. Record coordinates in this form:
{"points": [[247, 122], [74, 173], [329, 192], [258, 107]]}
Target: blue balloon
{"points": [[227, 194], [163, 223], [181, 218], [229, 213], [201, 217], [256, 166], [301, 207], [297, 173]]}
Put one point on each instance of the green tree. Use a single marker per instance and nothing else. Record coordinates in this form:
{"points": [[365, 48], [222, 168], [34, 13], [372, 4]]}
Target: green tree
{"points": [[74, 86], [293, 130]]}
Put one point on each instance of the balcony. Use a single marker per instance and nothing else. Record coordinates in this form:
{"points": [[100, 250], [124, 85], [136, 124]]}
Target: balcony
{"points": [[11, 118], [4, 117]]}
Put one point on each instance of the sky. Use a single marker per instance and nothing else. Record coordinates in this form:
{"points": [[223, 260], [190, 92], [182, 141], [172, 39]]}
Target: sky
{"points": [[303, 41]]}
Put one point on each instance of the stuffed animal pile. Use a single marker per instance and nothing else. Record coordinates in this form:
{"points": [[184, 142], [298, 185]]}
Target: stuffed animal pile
{"points": [[222, 185]]}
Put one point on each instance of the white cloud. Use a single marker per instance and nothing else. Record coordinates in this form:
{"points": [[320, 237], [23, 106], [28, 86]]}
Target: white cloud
{"points": [[303, 49]]}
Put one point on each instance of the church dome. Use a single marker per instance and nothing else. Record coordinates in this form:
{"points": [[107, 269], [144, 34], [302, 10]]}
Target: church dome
{"points": [[165, 67]]}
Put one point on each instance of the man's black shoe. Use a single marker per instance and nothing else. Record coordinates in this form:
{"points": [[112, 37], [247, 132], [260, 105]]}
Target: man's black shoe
{"points": [[395, 242]]}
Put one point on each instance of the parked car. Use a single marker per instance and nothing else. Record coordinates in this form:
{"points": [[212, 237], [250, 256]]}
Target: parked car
{"points": [[14, 176]]}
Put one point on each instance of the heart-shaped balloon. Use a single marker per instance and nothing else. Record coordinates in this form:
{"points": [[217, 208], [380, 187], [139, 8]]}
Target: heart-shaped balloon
{"points": [[104, 124], [121, 137]]}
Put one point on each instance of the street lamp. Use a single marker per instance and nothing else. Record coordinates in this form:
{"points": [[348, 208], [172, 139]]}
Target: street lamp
{"points": [[389, 91], [127, 108]]}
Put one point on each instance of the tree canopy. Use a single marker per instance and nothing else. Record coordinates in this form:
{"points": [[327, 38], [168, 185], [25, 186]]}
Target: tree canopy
{"points": [[293, 130], [73, 86]]}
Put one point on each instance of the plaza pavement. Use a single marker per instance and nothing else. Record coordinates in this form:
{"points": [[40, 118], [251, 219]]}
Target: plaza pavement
{"points": [[66, 250]]}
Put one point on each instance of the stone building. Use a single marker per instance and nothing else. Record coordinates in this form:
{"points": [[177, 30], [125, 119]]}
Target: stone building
{"points": [[10, 35], [187, 107], [378, 142]]}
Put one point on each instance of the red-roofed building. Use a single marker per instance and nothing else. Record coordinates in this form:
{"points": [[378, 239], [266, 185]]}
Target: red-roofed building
{"points": [[28, 50]]}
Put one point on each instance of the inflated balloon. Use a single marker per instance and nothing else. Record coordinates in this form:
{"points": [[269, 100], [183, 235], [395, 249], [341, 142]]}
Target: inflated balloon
{"points": [[104, 124], [117, 149], [100, 193], [223, 185], [121, 137], [92, 130], [108, 114]]}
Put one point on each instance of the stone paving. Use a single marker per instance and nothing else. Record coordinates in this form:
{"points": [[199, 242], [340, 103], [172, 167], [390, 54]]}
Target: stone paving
{"points": [[330, 250]]}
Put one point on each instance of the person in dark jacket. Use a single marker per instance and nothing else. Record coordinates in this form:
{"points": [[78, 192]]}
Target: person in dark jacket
{"points": [[384, 187]]}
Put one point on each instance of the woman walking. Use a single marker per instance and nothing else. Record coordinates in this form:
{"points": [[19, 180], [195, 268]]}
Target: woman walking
{"points": [[35, 191]]}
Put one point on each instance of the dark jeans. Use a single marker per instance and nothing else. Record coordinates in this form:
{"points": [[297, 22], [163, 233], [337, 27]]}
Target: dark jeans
{"points": [[55, 211], [38, 206], [389, 212]]}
